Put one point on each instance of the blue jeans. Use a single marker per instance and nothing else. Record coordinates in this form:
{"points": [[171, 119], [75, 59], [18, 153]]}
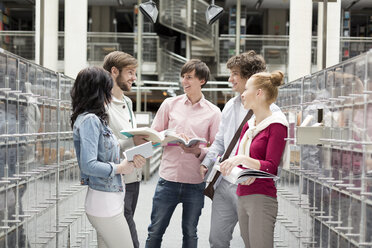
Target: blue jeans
{"points": [[167, 196]]}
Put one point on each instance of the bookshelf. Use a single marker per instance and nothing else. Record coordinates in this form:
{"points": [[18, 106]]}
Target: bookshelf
{"points": [[4, 25], [232, 27], [232, 20], [369, 26], [346, 33]]}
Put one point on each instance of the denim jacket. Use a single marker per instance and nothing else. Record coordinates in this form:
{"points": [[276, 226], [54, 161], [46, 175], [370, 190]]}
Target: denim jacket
{"points": [[97, 152]]}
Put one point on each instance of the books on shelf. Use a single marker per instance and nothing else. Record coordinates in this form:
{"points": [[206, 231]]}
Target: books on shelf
{"points": [[240, 175], [165, 137], [145, 150]]}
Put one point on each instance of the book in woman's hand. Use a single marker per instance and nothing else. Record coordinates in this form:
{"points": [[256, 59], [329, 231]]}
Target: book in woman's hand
{"points": [[145, 150], [163, 137], [240, 175]]}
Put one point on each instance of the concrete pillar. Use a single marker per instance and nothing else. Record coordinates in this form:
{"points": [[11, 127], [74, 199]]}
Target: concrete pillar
{"points": [[277, 19], [76, 24], [238, 22], [189, 25], [139, 57], [101, 19], [46, 35], [300, 21], [333, 34]]}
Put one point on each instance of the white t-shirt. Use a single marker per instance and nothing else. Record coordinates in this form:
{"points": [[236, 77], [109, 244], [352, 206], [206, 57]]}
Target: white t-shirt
{"points": [[104, 204], [122, 117]]}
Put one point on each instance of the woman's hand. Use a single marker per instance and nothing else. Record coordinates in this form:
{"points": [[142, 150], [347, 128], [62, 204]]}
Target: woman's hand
{"points": [[249, 181], [228, 165], [125, 167], [139, 161]]}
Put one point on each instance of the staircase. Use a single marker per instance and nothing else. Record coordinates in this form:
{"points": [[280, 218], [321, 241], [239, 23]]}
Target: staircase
{"points": [[170, 66], [176, 15]]}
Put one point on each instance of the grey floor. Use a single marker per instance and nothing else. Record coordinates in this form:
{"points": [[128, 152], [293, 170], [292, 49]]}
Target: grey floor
{"points": [[173, 235]]}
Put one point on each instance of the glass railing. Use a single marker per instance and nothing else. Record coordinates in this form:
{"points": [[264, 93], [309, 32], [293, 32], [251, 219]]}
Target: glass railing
{"points": [[275, 49], [98, 45], [325, 198], [21, 43]]}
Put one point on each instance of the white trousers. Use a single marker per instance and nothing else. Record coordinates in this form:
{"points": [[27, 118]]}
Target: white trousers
{"points": [[112, 232]]}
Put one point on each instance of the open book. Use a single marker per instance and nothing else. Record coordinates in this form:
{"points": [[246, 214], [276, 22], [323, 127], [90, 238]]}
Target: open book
{"points": [[239, 175], [164, 137], [145, 150]]}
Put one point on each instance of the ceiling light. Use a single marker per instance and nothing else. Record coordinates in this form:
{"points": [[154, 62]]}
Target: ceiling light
{"points": [[213, 13], [149, 10]]}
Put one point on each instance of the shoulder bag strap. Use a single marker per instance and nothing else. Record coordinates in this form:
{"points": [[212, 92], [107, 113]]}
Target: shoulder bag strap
{"points": [[236, 136]]}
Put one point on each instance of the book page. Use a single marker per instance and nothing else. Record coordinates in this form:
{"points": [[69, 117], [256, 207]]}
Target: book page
{"points": [[248, 172], [196, 140], [173, 138], [154, 136], [239, 175], [233, 177]]}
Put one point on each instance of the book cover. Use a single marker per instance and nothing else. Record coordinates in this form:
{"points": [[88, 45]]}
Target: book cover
{"points": [[145, 150], [239, 175], [153, 135]]}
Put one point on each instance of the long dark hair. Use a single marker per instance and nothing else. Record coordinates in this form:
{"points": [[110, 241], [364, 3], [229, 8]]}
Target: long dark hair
{"points": [[90, 93]]}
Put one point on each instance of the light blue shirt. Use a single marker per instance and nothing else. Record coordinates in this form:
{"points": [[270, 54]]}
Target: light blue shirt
{"points": [[230, 122]]}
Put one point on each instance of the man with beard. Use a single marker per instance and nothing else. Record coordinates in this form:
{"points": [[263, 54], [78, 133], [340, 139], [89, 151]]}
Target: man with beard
{"points": [[122, 68]]}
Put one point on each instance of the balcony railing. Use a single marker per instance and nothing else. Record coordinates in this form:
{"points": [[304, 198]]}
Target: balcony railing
{"points": [[22, 43], [275, 49]]}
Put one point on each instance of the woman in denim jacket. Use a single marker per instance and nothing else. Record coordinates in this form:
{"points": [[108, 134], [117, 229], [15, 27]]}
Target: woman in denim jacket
{"points": [[97, 152]]}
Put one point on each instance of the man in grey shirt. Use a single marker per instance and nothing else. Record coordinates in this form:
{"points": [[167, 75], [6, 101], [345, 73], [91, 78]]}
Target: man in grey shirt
{"points": [[224, 206]]}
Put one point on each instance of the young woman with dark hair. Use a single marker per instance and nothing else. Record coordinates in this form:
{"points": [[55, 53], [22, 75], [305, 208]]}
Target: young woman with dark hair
{"points": [[97, 152]]}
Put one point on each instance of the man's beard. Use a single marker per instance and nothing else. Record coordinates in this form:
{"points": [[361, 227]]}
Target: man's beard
{"points": [[123, 85]]}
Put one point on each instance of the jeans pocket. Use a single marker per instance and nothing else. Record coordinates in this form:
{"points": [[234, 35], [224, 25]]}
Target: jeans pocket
{"points": [[162, 182], [199, 187]]}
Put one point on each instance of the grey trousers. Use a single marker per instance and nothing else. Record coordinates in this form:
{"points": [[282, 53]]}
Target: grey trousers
{"points": [[257, 217], [130, 204], [224, 215], [112, 232]]}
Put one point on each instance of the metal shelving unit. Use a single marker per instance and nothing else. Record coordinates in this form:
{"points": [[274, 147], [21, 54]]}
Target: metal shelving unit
{"points": [[325, 198]]}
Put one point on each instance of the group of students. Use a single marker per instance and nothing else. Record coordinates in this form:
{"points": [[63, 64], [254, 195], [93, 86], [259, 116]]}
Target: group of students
{"points": [[101, 110]]}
